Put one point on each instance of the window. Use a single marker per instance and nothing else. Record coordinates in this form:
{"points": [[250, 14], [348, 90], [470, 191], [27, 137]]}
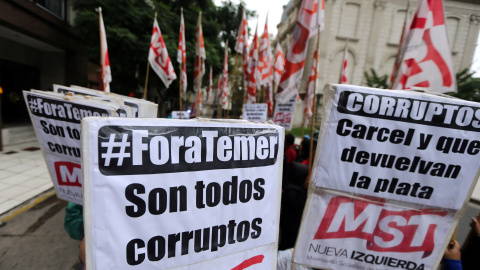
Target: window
{"points": [[56, 7]]}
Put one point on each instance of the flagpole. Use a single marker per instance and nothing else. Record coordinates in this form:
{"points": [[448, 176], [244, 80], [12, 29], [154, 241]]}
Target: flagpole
{"points": [[199, 83], [310, 161], [146, 81], [180, 92], [102, 68]]}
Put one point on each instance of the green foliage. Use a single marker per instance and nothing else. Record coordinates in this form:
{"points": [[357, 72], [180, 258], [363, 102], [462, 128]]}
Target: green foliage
{"points": [[373, 80], [468, 88], [128, 26]]}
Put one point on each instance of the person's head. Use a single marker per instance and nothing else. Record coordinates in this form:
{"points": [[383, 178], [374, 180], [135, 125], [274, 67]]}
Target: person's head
{"points": [[289, 139]]}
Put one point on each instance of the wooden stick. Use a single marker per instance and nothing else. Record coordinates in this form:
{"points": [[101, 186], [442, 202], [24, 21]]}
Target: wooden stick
{"points": [[310, 161], [180, 92], [146, 81]]}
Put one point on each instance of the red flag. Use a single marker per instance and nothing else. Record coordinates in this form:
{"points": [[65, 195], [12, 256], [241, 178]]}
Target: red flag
{"points": [[279, 64], [158, 56], [224, 78], [427, 61], [220, 89], [265, 67], [199, 68], [252, 71], [241, 45], [343, 71], [305, 27], [210, 86], [182, 56], [310, 94], [106, 73]]}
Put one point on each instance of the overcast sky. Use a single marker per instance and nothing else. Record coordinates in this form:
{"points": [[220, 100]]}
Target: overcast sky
{"points": [[274, 8]]}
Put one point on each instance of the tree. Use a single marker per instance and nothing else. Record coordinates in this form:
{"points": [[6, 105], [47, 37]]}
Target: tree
{"points": [[468, 87], [128, 26], [373, 80]]}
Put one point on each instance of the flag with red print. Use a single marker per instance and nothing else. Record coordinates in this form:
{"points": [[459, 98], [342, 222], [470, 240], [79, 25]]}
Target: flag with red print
{"points": [[305, 28], [106, 73], [269, 97], [252, 71], [343, 71], [265, 67], [220, 89], [210, 86], [241, 45], [279, 64], [427, 61], [321, 15], [224, 78], [309, 96], [158, 57], [199, 68], [182, 57]]}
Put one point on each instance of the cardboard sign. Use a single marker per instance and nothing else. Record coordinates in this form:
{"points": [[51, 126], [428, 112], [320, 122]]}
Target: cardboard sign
{"points": [[400, 145], [176, 115], [57, 124], [162, 194], [283, 115], [141, 108], [256, 112], [391, 171], [347, 232]]}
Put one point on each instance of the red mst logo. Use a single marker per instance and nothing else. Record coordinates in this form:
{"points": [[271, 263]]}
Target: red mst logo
{"points": [[68, 173]]}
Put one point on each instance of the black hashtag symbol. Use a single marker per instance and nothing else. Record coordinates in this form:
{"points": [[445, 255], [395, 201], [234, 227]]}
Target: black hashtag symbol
{"points": [[120, 155], [33, 105]]}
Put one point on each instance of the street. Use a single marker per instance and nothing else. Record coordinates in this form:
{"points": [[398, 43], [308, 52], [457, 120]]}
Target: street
{"points": [[36, 239]]}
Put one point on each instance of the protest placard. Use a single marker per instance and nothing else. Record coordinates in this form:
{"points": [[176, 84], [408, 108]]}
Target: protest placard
{"points": [[400, 145], [283, 114], [176, 115], [256, 112], [391, 172], [141, 108], [163, 194], [56, 121]]}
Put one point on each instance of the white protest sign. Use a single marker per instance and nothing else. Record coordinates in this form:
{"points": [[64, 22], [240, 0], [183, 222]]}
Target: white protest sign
{"points": [[411, 159], [347, 232], [141, 108], [400, 145], [283, 115], [163, 194], [176, 115], [256, 112], [57, 124]]}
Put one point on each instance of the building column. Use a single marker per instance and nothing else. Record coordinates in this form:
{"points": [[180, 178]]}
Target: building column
{"points": [[471, 41], [373, 42]]}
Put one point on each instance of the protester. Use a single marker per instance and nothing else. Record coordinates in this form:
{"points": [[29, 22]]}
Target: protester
{"points": [[290, 150], [471, 250], [73, 224], [284, 261], [294, 196], [451, 259]]}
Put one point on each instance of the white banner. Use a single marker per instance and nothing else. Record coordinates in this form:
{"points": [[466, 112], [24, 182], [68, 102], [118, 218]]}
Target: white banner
{"points": [[283, 114], [57, 124], [162, 194], [346, 232], [256, 112], [399, 145], [176, 115]]}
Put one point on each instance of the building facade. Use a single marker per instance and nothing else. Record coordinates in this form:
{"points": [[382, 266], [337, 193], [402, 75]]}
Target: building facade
{"points": [[373, 29], [38, 47]]}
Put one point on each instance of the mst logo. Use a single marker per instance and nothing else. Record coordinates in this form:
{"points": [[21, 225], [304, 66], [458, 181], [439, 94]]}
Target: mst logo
{"points": [[68, 174], [385, 230]]}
